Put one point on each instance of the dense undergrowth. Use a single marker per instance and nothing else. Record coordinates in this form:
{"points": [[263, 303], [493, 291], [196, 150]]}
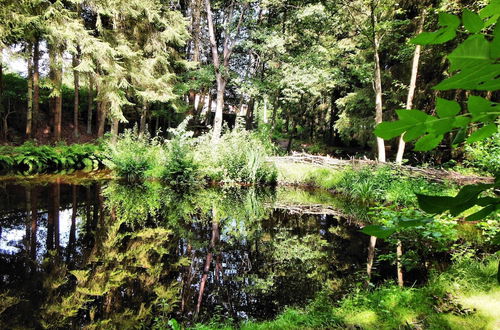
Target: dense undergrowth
{"points": [[239, 156], [466, 296], [30, 158]]}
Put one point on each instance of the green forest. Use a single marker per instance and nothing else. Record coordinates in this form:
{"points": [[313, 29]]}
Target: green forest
{"points": [[249, 164]]}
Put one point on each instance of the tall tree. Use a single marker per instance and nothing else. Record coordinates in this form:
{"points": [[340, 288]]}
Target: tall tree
{"points": [[221, 62], [413, 84]]}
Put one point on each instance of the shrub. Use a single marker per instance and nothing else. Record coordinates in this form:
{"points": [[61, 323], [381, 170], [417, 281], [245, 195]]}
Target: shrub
{"points": [[485, 155], [134, 157], [239, 156], [179, 165]]}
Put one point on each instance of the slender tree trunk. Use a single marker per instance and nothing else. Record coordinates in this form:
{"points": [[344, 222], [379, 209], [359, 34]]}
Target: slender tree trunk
{"points": [[114, 130], [377, 82], [34, 222], [56, 79], [36, 85], [250, 114], [206, 269], [399, 265], [197, 4], [264, 117], [219, 109], [90, 101], [76, 115], [101, 116], [378, 103], [412, 87], [29, 109], [27, 238], [72, 230], [1, 81], [57, 201], [142, 126], [371, 258]]}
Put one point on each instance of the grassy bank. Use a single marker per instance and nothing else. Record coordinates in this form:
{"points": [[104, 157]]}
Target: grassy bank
{"points": [[466, 296], [368, 185]]}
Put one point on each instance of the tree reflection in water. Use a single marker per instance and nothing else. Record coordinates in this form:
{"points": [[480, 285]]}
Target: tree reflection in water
{"points": [[119, 255]]}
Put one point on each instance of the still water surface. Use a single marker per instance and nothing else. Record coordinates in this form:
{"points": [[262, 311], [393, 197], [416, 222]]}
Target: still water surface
{"points": [[115, 255]]}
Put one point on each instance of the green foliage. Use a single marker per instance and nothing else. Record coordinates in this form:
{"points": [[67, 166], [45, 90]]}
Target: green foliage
{"points": [[179, 166], [485, 154], [239, 156], [30, 158], [475, 64], [133, 156]]}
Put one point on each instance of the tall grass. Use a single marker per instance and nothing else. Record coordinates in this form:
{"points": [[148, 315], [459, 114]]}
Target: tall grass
{"points": [[239, 156]]}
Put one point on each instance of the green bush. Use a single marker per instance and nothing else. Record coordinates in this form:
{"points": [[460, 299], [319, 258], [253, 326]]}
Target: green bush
{"points": [[239, 156], [485, 155], [134, 157], [179, 166]]}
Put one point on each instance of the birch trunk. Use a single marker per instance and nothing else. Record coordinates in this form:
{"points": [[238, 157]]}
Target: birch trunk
{"points": [[413, 84]]}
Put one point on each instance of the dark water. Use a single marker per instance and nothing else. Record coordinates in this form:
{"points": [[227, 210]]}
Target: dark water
{"points": [[112, 255]]}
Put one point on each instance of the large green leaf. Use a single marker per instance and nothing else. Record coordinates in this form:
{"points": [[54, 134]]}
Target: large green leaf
{"points": [[481, 214], [491, 12], [482, 109], [472, 22], [449, 22], [483, 133], [474, 50], [481, 77], [446, 108], [378, 231], [428, 142], [434, 204]]}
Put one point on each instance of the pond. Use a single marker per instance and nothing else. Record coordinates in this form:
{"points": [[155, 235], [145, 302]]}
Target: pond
{"points": [[116, 255]]}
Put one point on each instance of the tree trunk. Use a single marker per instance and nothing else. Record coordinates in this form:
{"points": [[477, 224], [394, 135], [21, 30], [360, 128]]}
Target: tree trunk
{"points": [[399, 266], [377, 82], [370, 259], [378, 103], [250, 114], [34, 222], [29, 109], [206, 269], [56, 80], [412, 87], [264, 117], [219, 109], [90, 101], [142, 125], [101, 117], [1, 81], [76, 60], [36, 85], [114, 130], [197, 4], [72, 230]]}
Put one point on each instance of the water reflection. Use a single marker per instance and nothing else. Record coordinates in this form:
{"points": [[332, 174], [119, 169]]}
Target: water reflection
{"points": [[120, 256]]}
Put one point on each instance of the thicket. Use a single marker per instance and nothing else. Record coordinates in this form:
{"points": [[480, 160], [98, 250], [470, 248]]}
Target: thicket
{"points": [[30, 158], [238, 157]]}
